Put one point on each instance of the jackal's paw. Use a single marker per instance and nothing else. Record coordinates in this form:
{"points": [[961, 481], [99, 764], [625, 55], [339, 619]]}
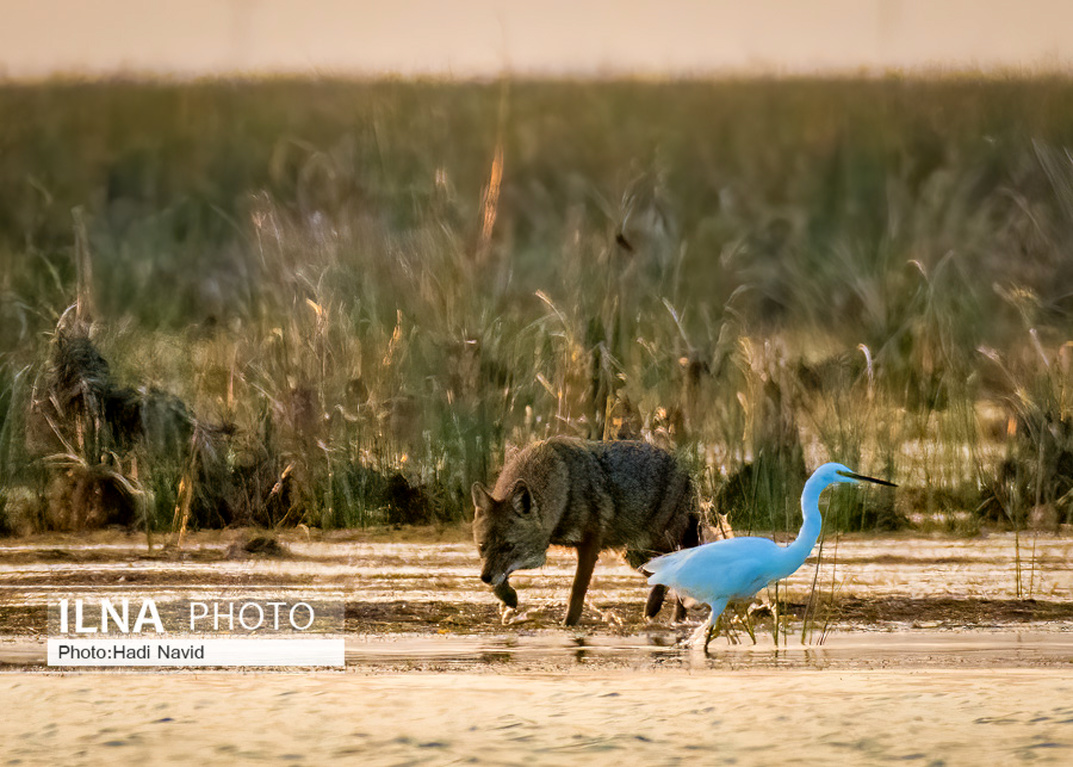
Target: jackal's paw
{"points": [[507, 595], [610, 617], [508, 616]]}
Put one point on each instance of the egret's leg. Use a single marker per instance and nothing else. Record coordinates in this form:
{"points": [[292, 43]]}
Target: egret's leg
{"points": [[775, 615], [709, 634], [713, 619]]}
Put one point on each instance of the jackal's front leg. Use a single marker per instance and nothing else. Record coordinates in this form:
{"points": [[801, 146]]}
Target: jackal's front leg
{"points": [[587, 553]]}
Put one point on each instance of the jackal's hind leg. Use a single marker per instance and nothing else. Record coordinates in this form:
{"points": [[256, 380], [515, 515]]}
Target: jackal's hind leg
{"points": [[679, 609], [655, 601]]}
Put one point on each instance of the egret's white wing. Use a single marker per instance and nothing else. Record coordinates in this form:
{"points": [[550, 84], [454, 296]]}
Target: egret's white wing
{"points": [[737, 567]]}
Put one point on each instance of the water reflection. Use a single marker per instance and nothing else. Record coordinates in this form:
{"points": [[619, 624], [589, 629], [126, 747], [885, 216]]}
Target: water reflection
{"points": [[864, 650], [552, 651], [579, 654]]}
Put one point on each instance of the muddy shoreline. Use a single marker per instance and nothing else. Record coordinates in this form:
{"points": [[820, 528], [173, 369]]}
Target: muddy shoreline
{"points": [[426, 586], [911, 649]]}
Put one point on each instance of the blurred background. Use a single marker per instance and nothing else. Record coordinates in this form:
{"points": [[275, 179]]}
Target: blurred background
{"points": [[266, 263], [485, 38]]}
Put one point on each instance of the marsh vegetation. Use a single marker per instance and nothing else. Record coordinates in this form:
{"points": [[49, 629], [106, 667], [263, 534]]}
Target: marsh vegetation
{"points": [[338, 304]]}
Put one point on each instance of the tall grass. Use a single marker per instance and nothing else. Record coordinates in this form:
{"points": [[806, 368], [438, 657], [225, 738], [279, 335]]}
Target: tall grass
{"points": [[362, 294]]}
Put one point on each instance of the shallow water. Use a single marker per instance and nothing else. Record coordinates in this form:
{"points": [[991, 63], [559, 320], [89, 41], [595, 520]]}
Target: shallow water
{"points": [[864, 601], [849, 650], [661, 649], [918, 650], [996, 566]]}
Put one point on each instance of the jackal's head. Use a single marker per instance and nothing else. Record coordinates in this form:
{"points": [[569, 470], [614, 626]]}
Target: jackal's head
{"points": [[508, 532]]}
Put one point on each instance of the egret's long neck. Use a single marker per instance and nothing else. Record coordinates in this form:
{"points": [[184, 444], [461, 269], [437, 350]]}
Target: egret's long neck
{"points": [[798, 551]]}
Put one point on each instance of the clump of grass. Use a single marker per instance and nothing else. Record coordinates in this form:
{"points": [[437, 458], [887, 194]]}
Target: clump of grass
{"points": [[1035, 479]]}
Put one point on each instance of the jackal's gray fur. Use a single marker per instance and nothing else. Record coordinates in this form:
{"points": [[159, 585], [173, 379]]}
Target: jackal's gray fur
{"points": [[590, 495]]}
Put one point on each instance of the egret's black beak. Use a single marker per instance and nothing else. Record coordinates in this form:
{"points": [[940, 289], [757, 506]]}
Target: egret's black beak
{"points": [[863, 478]]}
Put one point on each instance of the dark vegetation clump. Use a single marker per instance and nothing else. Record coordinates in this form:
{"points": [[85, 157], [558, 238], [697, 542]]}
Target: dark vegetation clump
{"points": [[339, 304], [92, 434], [1034, 483], [257, 544]]}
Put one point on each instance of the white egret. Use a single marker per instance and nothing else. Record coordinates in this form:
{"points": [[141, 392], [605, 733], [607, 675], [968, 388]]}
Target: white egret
{"points": [[737, 568]]}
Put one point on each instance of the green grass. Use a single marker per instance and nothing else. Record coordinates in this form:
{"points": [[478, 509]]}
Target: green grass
{"points": [[360, 322]]}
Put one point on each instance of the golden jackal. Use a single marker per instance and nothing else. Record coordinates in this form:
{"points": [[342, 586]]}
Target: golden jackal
{"points": [[590, 495]]}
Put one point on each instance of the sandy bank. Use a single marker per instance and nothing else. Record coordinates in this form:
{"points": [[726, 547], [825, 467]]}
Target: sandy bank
{"points": [[652, 717]]}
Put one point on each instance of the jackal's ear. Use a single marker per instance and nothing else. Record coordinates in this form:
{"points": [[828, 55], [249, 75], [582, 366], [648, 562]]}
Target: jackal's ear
{"points": [[482, 499], [521, 499]]}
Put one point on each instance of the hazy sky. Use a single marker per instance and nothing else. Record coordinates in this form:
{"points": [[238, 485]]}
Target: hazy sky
{"points": [[485, 37]]}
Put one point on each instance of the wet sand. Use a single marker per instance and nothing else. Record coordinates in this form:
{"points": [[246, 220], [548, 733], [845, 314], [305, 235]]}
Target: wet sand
{"points": [[931, 716], [430, 586], [918, 650]]}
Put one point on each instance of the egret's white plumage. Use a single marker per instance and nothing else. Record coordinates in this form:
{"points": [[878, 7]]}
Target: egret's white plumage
{"points": [[718, 572]]}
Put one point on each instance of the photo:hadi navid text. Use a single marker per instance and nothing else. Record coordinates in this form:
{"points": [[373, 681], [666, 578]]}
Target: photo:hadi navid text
{"points": [[202, 631]]}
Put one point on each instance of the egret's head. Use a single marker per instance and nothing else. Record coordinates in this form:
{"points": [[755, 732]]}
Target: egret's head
{"points": [[831, 473]]}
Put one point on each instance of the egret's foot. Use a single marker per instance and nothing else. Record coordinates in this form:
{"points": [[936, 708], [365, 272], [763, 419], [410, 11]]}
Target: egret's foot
{"points": [[700, 633], [708, 637]]}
